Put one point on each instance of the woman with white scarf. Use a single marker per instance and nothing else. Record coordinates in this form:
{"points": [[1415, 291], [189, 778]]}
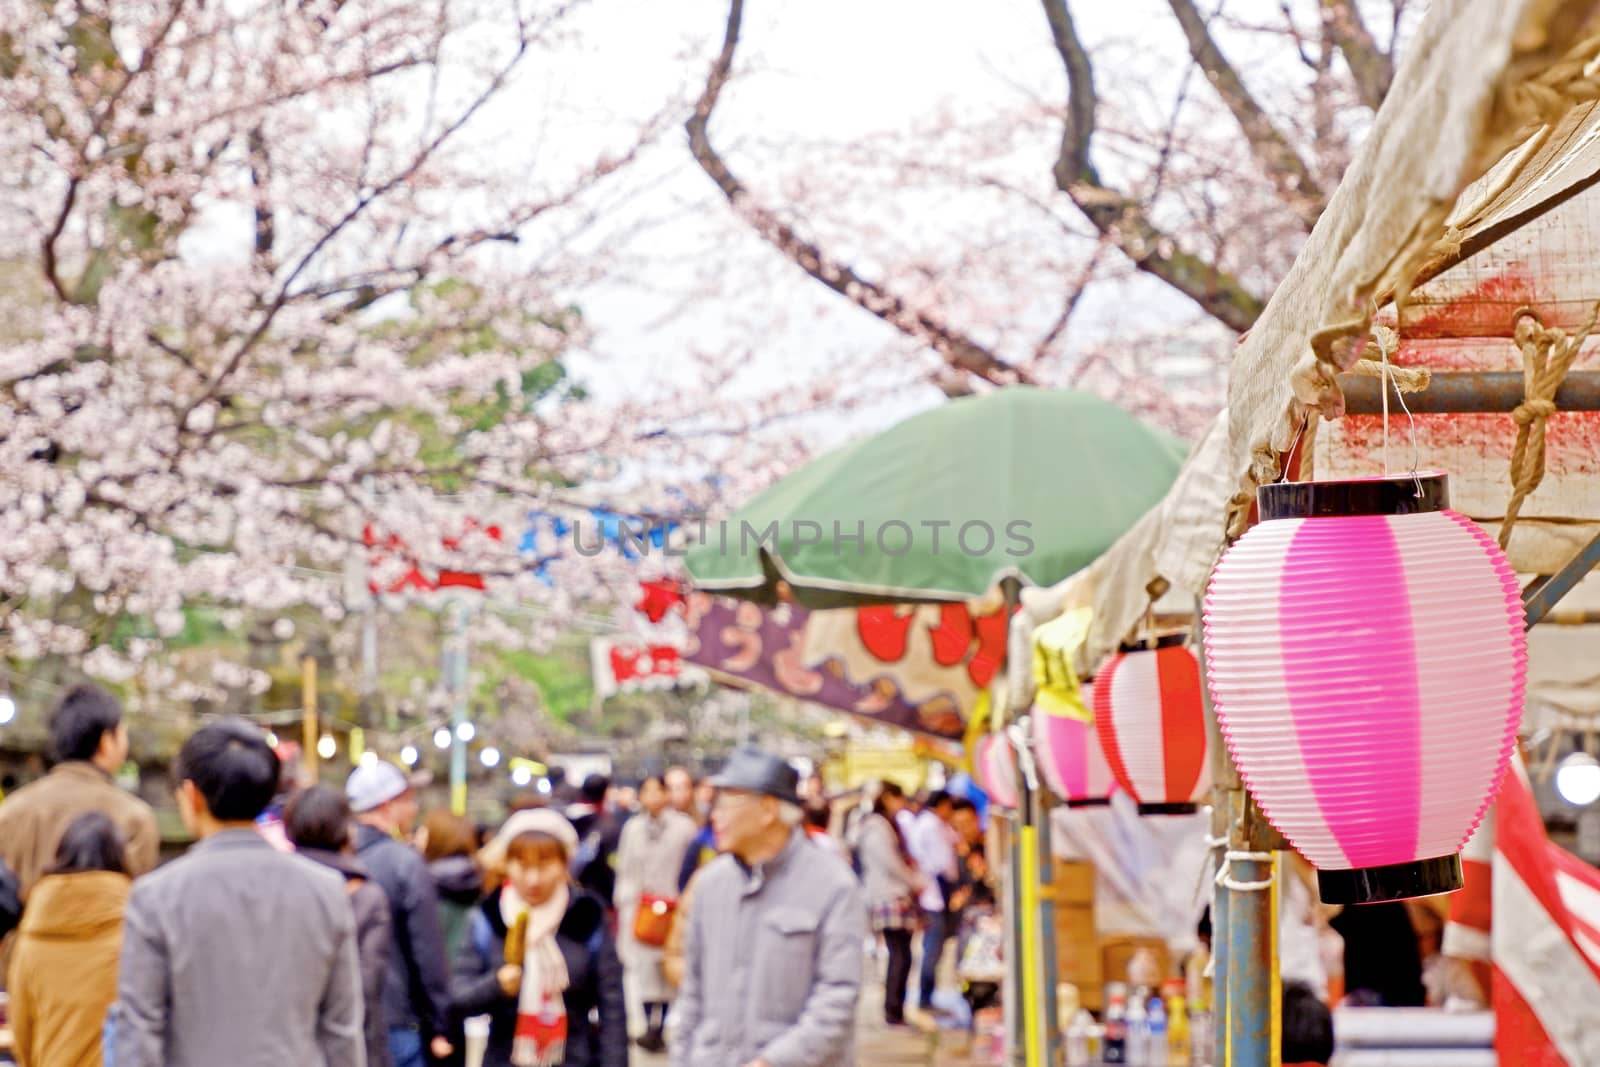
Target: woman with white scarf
{"points": [[538, 958]]}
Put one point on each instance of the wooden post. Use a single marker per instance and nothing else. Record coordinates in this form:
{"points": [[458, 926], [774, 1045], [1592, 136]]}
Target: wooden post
{"points": [[311, 724]]}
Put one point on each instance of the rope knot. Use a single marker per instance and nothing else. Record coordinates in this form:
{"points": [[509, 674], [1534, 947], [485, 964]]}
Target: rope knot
{"points": [[1530, 411]]}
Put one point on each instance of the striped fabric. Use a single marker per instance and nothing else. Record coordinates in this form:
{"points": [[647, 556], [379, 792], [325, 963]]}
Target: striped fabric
{"points": [[1151, 721], [1529, 923]]}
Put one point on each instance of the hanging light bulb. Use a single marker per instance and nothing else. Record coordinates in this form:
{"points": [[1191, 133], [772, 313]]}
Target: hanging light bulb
{"points": [[8, 709], [369, 758], [1578, 779], [272, 739], [490, 756], [521, 776], [466, 732], [544, 786], [441, 738], [327, 748], [409, 755]]}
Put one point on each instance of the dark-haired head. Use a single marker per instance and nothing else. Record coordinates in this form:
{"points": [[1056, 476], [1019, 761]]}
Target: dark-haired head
{"points": [[91, 842], [595, 788], [227, 771], [86, 724], [817, 816], [653, 796], [1307, 1026], [318, 817], [941, 802]]}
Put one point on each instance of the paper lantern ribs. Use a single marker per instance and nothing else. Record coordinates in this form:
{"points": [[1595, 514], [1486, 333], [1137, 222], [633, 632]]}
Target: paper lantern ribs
{"points": [[1367, 660]]}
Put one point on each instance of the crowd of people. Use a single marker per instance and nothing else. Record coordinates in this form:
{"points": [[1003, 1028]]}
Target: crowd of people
{"points": [[313, 924]]}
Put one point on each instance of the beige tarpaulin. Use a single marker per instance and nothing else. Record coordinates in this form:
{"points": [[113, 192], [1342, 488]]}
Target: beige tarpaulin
{"points": [[1489, 120]]}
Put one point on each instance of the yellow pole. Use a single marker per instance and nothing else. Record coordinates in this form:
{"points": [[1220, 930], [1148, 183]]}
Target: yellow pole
{"points": [[311, 730], [1276, 992], [1033, 1017]]}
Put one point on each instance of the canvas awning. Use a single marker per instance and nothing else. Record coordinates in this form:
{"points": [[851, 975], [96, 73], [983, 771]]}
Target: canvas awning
{"points": [[1491, 125]]}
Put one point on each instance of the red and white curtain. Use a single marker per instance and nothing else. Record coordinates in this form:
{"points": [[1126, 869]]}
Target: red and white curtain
{"points": [[1529, 923]]}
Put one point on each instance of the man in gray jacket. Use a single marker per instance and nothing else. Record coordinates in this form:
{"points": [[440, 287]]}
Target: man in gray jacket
{"points": [[773, 950], [236, 953]]}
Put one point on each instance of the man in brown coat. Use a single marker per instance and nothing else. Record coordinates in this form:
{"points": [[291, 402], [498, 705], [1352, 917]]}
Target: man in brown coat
{"points": [[89, 742]]}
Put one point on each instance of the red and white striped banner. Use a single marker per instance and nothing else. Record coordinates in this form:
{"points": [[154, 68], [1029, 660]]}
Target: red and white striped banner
{"points": [[1529, 922]]}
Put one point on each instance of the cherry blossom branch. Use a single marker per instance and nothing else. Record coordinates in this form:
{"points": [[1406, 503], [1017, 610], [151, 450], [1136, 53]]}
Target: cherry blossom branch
{"points": [[1372, 68], [956, 348], [1271, 149], [1122, 219]]}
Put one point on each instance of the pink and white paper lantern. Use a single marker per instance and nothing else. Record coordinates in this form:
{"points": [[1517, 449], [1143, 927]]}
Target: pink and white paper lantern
{"points": [[1070, 758], [1366, 656]]}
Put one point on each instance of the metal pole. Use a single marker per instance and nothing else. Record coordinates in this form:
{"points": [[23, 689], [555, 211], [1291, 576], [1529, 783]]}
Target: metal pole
{"points": [[1017, 962], [1469, 393], [1047, 923], [1252, 992], [310, 725], [457, 675], [1245, 980], [1033, 1007]]}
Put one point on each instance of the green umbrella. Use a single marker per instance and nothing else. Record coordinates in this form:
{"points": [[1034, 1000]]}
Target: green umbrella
{"points": [[1021, 482]]}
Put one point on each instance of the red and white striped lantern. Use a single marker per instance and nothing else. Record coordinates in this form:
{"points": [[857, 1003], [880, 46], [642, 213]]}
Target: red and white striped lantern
{"points": [[1151, 720], [1367, 657], [1070, 758]]}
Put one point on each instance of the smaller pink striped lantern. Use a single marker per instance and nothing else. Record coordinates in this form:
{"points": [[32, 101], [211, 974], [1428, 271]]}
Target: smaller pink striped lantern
{"points": [[999, 762], [1151, 720], [1070, 758], [1366, 655]]}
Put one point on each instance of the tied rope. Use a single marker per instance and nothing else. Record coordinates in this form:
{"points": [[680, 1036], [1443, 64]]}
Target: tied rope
{"points": [[1225, 876], [1547, 355]]}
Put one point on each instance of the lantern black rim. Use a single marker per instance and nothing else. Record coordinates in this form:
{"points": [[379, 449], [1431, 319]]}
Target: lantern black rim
{"points": [[1089, 802], [1398, 881], [1407, 494], [1173, 640], [1184, 808]]}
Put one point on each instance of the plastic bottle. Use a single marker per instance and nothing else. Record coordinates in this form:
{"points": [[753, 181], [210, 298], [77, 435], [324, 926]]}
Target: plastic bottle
{"points": [[1155, 1054], [1138, 1030], [1180, 1051], [1078, 1034], [1114, 1046]]}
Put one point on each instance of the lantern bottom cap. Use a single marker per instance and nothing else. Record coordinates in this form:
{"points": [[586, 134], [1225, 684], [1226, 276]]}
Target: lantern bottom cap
{"points": [[1397, 881], [1184, 808], [1088, 802]]}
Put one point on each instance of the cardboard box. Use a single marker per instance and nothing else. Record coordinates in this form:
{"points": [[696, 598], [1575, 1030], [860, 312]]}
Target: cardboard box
{"points": [[1073, 882]]}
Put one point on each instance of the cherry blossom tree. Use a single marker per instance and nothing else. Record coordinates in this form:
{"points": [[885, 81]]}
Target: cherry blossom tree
{"points": [[1177, 155], [277, 277]]}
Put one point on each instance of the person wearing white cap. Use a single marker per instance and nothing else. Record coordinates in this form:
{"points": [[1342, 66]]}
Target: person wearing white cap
{"points": [[416, 990], [538, 958]]}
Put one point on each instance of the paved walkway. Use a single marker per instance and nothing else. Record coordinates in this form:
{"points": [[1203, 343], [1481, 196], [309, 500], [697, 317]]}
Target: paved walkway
{"points": [[880, 1046]]}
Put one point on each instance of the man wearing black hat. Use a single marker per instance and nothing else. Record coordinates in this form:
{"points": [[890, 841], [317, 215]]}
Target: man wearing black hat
{"points": [[773, 948]]}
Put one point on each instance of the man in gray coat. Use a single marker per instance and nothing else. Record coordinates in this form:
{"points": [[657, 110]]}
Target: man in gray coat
{"points": [[236, 953], [773, 949]]}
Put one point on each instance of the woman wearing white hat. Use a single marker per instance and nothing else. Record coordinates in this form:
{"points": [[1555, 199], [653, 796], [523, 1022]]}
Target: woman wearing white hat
{"points": [[538, 958]]}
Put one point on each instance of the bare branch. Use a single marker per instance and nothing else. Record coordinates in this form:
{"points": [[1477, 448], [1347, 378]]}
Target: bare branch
{"points": [[1372, 68], [1277, 157], [1121, 219], [954, 347], [52, 268]]}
